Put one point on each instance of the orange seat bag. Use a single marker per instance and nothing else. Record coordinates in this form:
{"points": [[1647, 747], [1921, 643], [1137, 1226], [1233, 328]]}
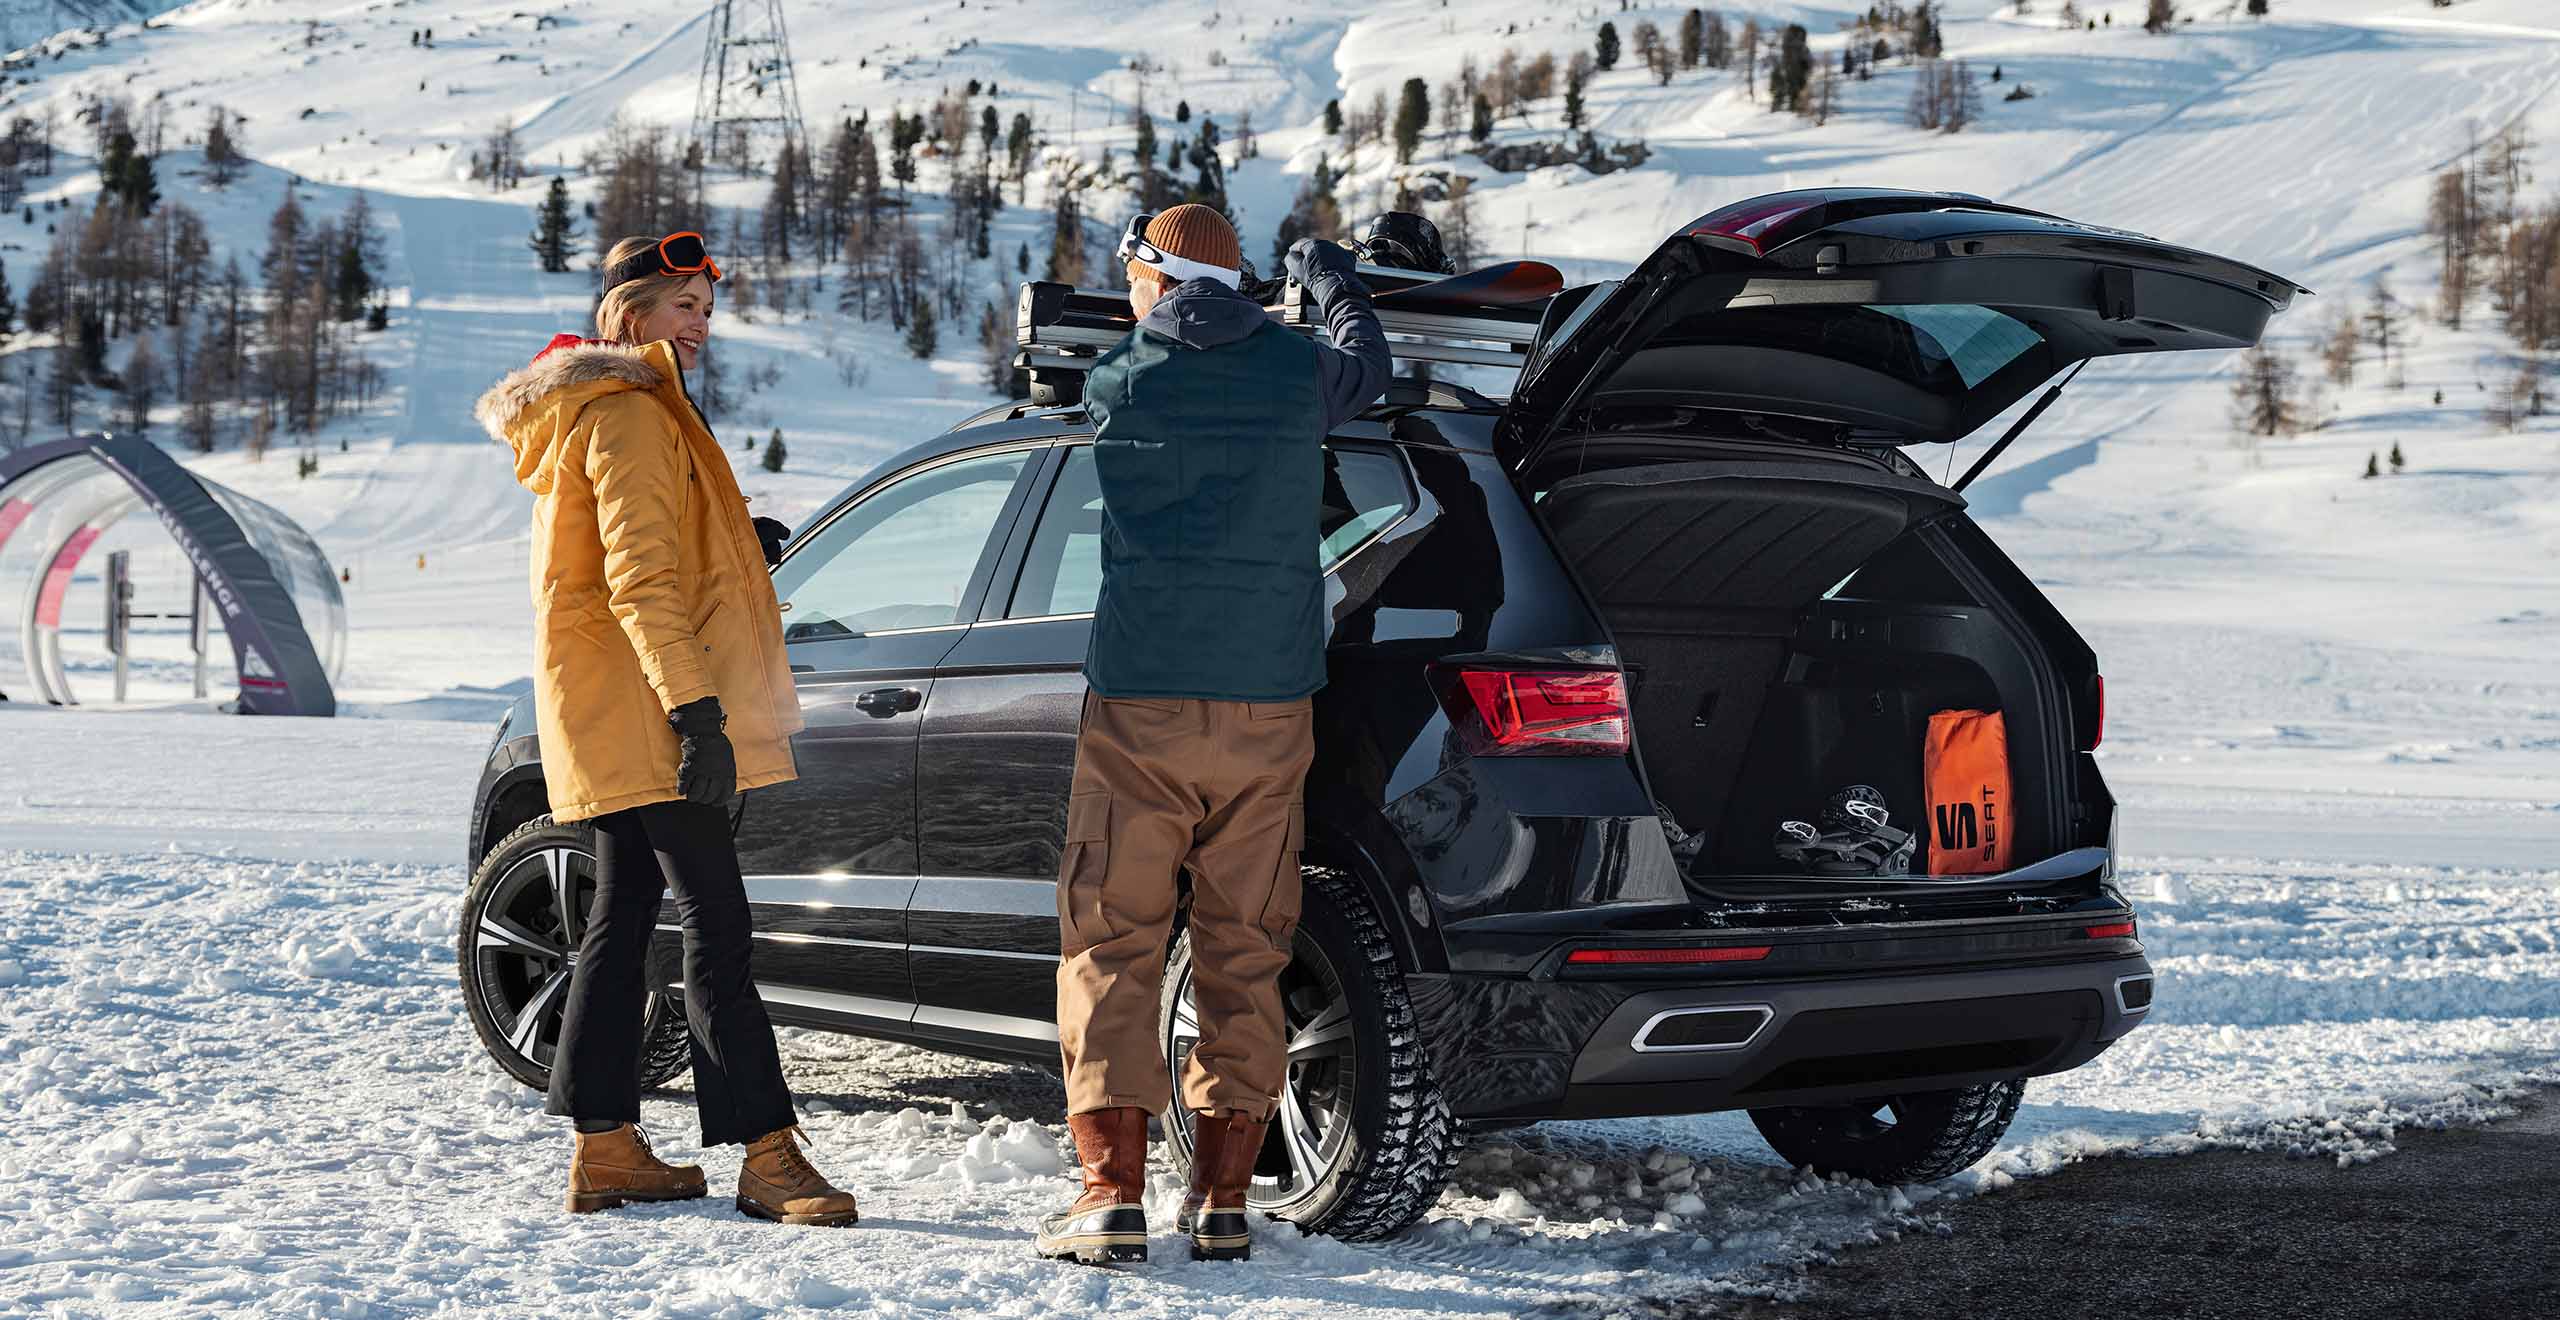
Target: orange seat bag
{"points": [[1966, 766]]}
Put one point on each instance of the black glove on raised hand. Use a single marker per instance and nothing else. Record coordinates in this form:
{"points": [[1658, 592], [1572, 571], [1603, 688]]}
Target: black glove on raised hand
{"points": [[707, 770], [772, 532], [1313, 260]]}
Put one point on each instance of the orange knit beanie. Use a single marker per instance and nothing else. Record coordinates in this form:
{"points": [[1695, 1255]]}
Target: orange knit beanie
{"points": [[1197, 233]]}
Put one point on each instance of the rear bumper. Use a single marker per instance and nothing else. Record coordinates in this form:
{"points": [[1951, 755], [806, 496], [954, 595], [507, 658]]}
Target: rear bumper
{"points": [[1691, 1049]]}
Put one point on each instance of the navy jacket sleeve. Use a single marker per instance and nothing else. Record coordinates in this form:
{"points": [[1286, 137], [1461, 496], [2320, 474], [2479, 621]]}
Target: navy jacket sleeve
{"points": [[1353, 370]]}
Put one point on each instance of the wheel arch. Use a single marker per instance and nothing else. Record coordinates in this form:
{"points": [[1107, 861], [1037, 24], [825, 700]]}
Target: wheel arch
{"points": [[1360, 845], [514, 797]]}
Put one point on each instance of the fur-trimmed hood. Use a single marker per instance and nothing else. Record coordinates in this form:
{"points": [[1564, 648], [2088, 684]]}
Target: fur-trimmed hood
{"points": [[533, 409]]}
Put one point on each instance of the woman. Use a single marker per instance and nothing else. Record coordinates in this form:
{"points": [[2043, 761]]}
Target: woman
{"points": [[662, 691]]}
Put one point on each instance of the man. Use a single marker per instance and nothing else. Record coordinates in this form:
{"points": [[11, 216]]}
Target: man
{"points": [[1208, 642]]}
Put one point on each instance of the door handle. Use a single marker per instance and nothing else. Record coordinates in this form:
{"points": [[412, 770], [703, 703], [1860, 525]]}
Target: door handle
{"points": [[888, 703]]}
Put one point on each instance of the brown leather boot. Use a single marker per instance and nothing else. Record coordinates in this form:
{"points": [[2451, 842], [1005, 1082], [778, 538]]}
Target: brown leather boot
{"points": [[1224, 1146], [614, 1167], [777, 1182], [1107, 1224]]}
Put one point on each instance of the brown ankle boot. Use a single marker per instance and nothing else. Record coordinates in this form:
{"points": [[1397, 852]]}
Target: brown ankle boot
{"points": [[1224, 1146], [1108, 1223], [777, 1182], [616, 1166]]}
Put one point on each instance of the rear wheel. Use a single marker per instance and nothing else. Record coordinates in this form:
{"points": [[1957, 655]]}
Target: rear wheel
{"points": [[522, 919], [1362, 1142], [1920, 1137]]}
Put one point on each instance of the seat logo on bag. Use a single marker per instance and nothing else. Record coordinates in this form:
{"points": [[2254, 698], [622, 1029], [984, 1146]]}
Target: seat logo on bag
{"points": [[1959, 826]]}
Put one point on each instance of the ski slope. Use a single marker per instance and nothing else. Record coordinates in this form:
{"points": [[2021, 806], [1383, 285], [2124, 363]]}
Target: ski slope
{"points": [[2333, 723]]}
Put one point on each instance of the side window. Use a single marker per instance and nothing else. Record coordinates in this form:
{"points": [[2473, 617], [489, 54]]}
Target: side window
{"points": [[1364, 491], [902, 558], [1062, 572]]}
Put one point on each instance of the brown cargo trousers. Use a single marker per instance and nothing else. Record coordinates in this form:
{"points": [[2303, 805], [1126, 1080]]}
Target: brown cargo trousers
{"points": [[1165, 788]]}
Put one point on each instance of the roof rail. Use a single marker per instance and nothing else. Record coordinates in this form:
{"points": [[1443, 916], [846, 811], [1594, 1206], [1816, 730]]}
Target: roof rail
{"points": [[1062, 329]]}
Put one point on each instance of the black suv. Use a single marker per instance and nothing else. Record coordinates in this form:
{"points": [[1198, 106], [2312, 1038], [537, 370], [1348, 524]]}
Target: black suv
{"points": [[1682, 586]]}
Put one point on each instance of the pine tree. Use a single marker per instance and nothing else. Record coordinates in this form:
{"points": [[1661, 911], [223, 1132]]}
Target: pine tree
{"points": [[2397, 462], [995, 337], [222, 157], [1605, 51], [2372, 465], [1413, 114], [8, 307], [2160, 17], [139, 387], [775, 453], [1573, 111], [922, 337], [1480, 129], [351, 285], [554, 233], [2263, 397], [1693, 38], [1791, 74], [1182, 112], [1333, 119]]}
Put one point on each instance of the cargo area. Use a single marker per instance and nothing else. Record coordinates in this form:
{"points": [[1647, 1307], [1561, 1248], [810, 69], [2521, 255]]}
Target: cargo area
{"points": [[1788, 627]]}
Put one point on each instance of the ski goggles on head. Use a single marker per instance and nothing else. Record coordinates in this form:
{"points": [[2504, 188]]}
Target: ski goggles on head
{"points": [[1135, 247], [676, 254]]}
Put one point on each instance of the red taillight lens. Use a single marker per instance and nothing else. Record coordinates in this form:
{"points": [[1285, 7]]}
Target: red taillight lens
{"points": [[1625, 957], [1754, 222], [2098, 725], [2112, 931], [1537, 712]]}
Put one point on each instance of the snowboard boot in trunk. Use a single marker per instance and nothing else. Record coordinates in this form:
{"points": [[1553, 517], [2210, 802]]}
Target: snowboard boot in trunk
{"points": [[777, 1182], [1108, 1224], [616, 1166], [1224, 1146]]}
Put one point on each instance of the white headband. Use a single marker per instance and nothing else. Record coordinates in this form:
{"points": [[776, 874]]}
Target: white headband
{"points": [[1183, 268]]}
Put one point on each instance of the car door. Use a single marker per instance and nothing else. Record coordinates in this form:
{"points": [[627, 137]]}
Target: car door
{"points": [[873, 595], [997, 752]]}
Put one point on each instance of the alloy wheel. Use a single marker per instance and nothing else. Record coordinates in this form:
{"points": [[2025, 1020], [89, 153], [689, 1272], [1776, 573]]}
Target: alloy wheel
{"points": [[526, 945], [1311, 1131]]}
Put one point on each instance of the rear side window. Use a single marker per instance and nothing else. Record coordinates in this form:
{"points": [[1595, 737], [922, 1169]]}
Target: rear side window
{"points": [[1365, 492]]}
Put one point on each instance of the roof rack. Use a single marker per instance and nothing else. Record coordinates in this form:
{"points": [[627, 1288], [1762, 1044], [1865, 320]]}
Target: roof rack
{"points": [[1063, 329]]}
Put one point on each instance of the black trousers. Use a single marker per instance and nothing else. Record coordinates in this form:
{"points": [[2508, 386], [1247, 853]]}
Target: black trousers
{"points": [[737, 1073]]}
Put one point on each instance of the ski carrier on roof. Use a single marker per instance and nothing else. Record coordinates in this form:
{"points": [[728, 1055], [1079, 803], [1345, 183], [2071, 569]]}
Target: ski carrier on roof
{"points": [[1486, 318]]}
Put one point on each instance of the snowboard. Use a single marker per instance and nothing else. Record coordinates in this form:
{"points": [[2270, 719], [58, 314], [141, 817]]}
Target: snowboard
{"points": [[1503, 284]]}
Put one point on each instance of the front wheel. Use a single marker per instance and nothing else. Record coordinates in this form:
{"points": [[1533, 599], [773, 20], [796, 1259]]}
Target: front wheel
{"points": [[1920, 1137], [521, 922], [1363, 1142]]}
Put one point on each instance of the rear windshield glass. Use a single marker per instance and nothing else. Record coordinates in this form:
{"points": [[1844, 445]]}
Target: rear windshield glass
{"points": [[1944, 348], [1977, 341]]}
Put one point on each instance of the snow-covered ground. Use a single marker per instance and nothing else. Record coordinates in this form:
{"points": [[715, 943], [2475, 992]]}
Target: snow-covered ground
{"points": [[239, 1074], [230, 1043]]}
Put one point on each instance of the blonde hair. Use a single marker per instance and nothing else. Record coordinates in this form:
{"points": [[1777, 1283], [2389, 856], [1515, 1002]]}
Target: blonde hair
{"points": [[626, 305]]}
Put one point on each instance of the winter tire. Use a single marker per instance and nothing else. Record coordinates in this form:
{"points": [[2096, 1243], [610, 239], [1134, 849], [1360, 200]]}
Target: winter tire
{"points": [[1920, 1137], [518, 939], [1363, 1141]]}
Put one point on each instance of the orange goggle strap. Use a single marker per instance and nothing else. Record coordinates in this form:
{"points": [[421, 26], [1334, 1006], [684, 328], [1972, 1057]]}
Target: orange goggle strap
{"points": [[682, 253]]}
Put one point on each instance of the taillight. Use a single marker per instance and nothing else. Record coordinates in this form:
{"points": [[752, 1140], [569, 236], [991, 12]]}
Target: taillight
{"points": [[2098, 724], [1536, 712], [1665, 957], [1754, 221], [2115, 930]]}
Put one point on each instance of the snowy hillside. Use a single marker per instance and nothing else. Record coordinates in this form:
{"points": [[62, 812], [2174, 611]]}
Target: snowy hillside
{"points": [[2333, 719]]}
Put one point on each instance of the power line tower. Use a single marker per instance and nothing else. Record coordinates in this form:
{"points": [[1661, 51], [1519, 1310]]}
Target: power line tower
{"points": [[747, 103]]}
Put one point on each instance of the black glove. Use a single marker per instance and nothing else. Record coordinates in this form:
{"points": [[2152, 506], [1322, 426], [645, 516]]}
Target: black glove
{"points": [[772, 532], [1311, 261], [707, 770]]}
